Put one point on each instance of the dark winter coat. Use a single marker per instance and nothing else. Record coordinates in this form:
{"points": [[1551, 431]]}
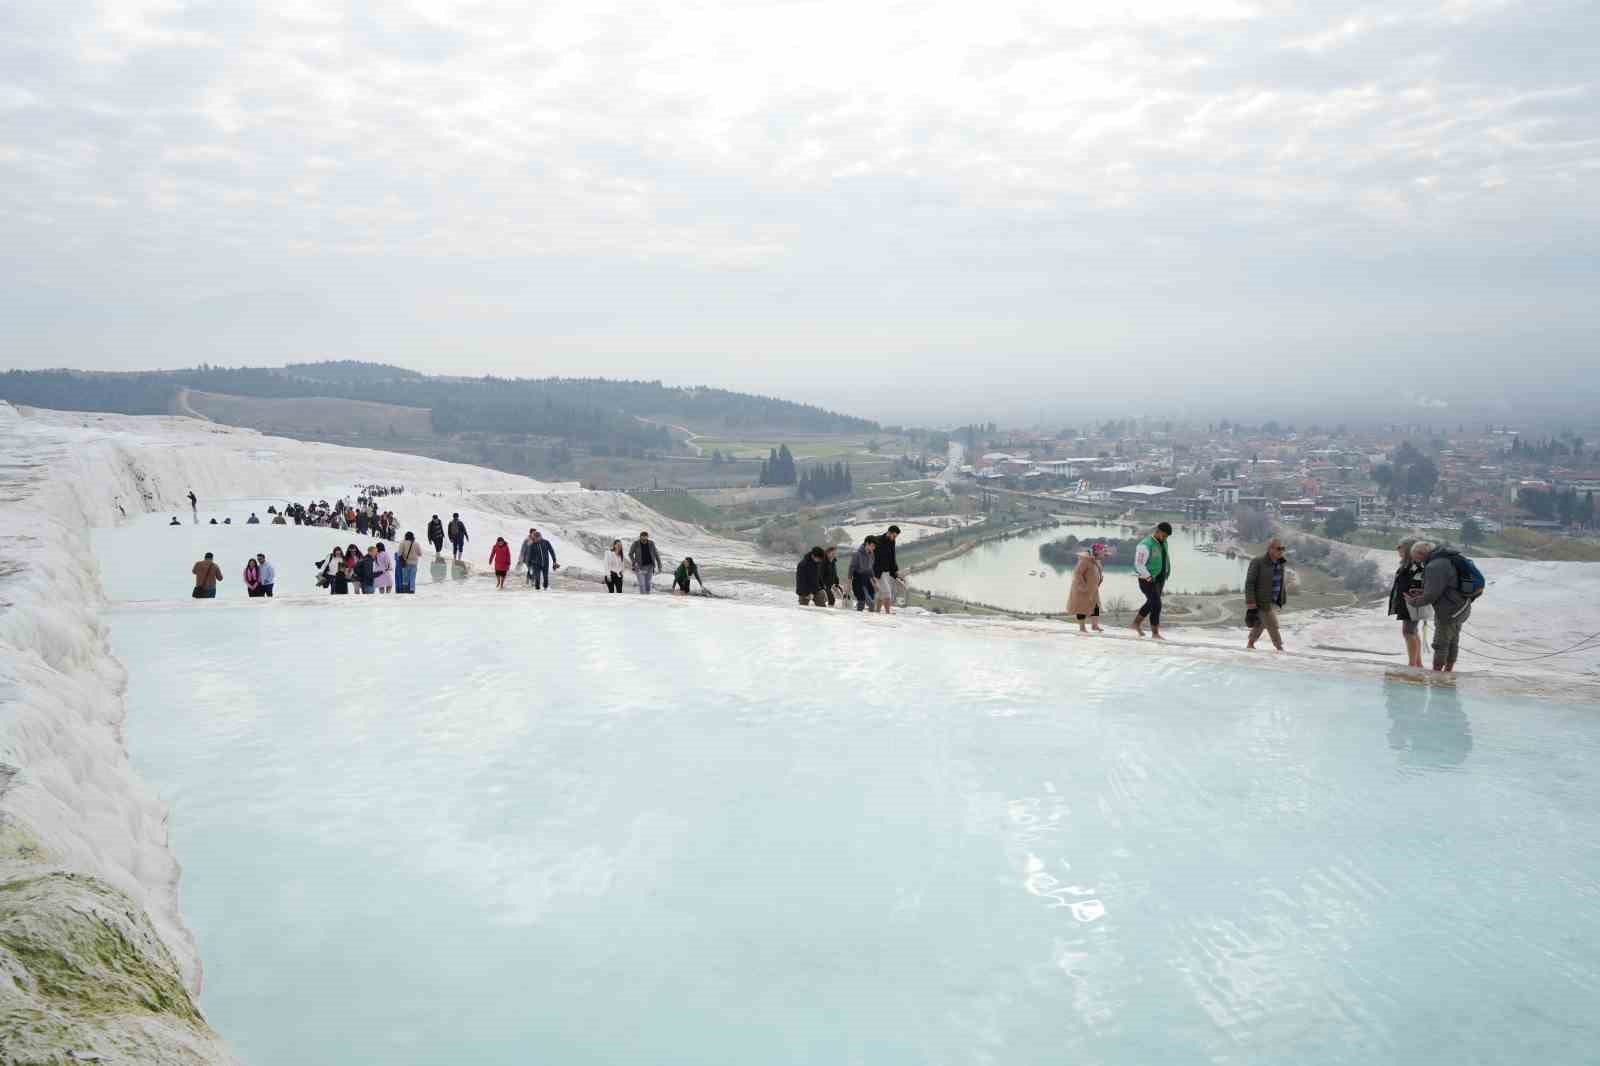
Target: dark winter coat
{"points": [[538, 554], [1258, 583], [1441, 587], [883, 561], [366, 567], [457, 531], [829, 573], [808, 576], [643, 555]]}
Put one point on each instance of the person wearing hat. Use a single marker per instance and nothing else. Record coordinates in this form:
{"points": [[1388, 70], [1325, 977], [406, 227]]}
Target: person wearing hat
{"points": [[1084, 598], [1266, 590]]}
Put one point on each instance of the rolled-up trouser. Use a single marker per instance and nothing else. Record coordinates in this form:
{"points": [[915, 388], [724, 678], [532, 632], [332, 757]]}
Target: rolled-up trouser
{"points": [[1152, 601], [809, 598], [861, 586], [456, 547], [1447, 636], [1266, 619], [886, 589], [644, 574]]}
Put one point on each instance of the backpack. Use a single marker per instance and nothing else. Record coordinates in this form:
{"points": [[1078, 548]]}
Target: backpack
{"points": [[1469, 579]]}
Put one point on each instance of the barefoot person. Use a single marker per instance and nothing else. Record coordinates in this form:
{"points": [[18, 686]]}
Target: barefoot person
{"points": [[1084, 598], [1407, 579], [1441, 590], [1152, 563], [500, 560], [1266, 590], [206, 575], [885, 571]]}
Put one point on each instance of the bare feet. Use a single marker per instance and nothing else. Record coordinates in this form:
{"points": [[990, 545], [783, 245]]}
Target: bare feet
{"points": [[1156, 633], [1250, 646], [1138, 627], [1097, 629]]}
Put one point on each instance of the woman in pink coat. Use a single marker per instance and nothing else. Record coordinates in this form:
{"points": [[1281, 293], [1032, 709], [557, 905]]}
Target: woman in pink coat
{"points": [[252, 579], [383, 567]]}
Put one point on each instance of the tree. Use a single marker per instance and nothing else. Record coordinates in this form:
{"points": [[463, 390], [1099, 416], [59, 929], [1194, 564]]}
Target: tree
{"points": [[1471, 531], [1253, 525], [1421, 478], [1341, 523]]}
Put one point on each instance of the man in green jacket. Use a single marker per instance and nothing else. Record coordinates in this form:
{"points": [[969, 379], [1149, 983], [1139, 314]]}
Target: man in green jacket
{"points": [[1152, 564], [1266, 590]]}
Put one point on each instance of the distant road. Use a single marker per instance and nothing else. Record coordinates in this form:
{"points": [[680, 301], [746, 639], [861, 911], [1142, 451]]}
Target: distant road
{"points": [[182, 404], [952, 464]]}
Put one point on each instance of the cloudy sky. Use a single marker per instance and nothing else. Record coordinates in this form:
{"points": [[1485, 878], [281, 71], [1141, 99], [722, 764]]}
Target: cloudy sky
{"points": [[902, 209]]}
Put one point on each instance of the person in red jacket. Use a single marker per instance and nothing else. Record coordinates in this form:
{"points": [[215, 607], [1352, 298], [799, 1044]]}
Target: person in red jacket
{"points": [[500, 559]]}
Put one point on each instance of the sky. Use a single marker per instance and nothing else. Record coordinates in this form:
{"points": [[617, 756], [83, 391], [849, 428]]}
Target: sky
{"points": [[904, 210]]}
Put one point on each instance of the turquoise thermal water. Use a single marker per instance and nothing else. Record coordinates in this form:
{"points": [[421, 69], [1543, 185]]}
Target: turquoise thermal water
{"points": [[485, 829]]}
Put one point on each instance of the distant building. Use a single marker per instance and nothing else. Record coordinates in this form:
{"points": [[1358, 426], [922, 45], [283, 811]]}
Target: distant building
{"points": [[1142, 495], [1226, 494]]}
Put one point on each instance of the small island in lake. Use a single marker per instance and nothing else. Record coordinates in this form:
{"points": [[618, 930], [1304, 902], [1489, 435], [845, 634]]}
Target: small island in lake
{"points": [[1063, 553]]}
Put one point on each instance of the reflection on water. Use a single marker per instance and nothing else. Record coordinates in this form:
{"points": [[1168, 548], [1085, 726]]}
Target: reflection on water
{"points": [[1427, 727]]}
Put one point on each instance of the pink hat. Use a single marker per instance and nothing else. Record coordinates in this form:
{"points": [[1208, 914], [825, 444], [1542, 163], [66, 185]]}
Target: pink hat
{"points": [[1098, 549]]}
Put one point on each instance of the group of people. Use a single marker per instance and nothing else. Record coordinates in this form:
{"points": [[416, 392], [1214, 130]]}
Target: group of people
{"points": [[456, 530], [376, 570], [1433, 582], [874, 575], [260, 577]]}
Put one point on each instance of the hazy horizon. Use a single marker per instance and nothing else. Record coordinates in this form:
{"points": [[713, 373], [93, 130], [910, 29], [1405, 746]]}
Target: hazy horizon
{"points": [[929, 213]]}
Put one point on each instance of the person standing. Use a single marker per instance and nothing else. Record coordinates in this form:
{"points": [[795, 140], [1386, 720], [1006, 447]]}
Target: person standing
{"points": [[408, 556], [1266, 591], [680, 577], [366, 571], [1441, 590], [616, 566], [1152, 564], [269, 574], [808, 579], [885, 571], [1083, 599], [383, 570], [861, 579], [206, 575], [458, 537], [525, 556], [252, 578], [646, 561], [500, 560], [436, 535], [194, 505], [1408, 579]]}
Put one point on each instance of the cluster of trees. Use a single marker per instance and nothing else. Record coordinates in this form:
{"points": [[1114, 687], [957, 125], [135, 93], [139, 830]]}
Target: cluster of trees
{"points": [[825, 482], [1252, 525], [1359, 575], [1407, 473], [1547, 450], [1566, 507], [794, 538], [1340, 523], [778, 468]]}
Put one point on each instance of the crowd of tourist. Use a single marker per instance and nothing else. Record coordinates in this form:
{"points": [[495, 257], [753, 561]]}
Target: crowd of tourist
{"points": [[1433, 583]]}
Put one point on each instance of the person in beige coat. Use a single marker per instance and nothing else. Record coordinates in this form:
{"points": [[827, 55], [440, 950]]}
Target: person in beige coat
{"points": [[1084, 599]]}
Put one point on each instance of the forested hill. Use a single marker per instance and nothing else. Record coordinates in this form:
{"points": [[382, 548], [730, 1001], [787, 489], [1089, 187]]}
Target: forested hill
{"points": [[581, 409]]}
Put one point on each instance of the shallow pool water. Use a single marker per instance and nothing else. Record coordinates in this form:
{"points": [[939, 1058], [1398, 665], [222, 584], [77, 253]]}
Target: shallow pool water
{"points": [[1008, 573], [583, 829]]}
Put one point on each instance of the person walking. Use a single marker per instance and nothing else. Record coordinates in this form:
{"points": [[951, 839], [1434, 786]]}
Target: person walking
{"points": [[1408, 579], [1152, 564], [408, 556], [646, 560], [252, 578], [1083, 599], [885, 571], [830, 576], [525, 556], [808, 578], [1441, 590], [540, 556], [206, 575], [436, 535], [383, 570], [1266, 592], [500, 560], [457, 530], [269, 574], [861, 579], [616, 566], [680, 577], [330, 568]]}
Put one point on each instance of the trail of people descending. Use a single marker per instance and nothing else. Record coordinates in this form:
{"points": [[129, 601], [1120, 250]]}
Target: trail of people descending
{"points": [[1433, 583]]}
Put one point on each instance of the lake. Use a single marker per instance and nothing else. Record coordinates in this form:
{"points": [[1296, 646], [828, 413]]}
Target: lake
{"points": [[998, 573]]}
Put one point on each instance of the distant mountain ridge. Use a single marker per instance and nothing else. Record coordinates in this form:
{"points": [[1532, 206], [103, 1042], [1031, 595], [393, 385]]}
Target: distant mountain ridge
{"points": [[595, 411]]}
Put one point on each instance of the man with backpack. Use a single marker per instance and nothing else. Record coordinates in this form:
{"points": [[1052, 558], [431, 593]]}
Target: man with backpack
{"points": [[1450, 582]]}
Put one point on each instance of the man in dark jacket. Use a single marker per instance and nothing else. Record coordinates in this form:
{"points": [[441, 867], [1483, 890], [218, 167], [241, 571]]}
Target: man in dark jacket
{"points": [[644, 558], [862, 583], [885, 570], [1441, 590], [808, 579], [539, 555], [436, 535], [830, 576], [1266, 591], [457, 529]]}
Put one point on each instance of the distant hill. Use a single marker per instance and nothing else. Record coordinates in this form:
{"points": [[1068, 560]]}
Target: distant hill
{"points": [[601, 414]]}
